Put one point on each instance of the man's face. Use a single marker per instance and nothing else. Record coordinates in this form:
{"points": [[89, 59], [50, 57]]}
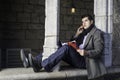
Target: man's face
{"points": [[86, 22]]}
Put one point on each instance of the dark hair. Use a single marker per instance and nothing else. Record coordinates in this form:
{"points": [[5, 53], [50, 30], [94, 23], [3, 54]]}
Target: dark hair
{"points": [[87, 15]]}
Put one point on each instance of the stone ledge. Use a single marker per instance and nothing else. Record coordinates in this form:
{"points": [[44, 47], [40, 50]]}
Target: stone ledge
{"points": [[27, 74]]}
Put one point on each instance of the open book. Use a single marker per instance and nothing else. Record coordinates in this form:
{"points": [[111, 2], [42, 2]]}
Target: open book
{"points": [[73, 44]]}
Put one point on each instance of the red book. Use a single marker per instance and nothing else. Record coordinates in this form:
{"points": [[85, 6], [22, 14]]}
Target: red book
{"points": [[73, 44]]}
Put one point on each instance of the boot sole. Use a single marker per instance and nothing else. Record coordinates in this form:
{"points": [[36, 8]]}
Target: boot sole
{"points": [[24, 59], [32, 65]]}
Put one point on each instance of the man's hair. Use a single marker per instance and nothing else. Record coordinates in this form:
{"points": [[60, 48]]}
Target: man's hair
{"points": [[87, 15]]}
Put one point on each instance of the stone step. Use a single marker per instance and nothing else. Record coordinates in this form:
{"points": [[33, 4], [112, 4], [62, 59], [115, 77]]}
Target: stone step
{"points": [[28, 74], [64, 74]]}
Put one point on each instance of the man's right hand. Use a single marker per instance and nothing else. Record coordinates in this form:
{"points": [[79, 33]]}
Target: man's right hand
{"points": [[79, 31]]}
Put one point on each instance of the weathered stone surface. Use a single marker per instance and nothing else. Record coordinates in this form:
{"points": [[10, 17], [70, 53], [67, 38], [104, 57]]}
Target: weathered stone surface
{"points": [[0, 59], [116, 33]]}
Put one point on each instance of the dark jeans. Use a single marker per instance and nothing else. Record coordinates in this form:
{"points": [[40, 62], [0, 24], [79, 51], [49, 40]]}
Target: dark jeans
{"points": [[65, 53]]}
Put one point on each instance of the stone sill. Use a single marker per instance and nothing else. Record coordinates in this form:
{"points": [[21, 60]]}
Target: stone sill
{"points": [[28, 74]]}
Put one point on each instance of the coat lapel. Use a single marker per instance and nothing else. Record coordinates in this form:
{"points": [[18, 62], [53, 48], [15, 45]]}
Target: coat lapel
{"points": [[89, 36]]}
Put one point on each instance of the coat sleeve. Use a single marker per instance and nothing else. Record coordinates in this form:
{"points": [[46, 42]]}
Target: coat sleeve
{"points": [[98, 45]]}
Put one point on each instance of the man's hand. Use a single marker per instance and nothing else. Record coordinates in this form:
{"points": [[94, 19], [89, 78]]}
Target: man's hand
{"points": [[81, 52], [79, 30]]}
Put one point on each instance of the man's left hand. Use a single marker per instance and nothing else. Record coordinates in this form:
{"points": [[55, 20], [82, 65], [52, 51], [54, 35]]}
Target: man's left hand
{"points": [[81, 52]]}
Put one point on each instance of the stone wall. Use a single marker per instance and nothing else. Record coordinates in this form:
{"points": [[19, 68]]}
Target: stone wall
{"points": [[22, 23], [70, 22], [116, 33], [0, 59]]}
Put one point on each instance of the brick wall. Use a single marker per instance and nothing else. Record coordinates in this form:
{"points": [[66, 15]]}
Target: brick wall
{"points": [[116, 33]]}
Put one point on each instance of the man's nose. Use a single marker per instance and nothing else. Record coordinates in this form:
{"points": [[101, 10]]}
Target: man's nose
{"points": [[83, 24]]}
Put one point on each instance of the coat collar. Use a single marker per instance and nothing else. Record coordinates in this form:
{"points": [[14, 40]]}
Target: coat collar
{"points": [[89, 36]]}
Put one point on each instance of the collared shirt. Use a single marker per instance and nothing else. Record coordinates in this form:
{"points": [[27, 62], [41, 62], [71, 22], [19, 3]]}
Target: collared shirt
{"points": [[81, 46]]}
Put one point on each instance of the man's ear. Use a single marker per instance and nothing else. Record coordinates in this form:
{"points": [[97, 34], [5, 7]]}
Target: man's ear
{"points": [[91, 21]]}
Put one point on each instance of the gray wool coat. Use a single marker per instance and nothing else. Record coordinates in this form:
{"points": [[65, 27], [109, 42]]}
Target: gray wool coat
{"points": [[94, 45]]}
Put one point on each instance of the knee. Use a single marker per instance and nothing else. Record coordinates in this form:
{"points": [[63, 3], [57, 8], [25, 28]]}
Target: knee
{"points": [[65, 47]]}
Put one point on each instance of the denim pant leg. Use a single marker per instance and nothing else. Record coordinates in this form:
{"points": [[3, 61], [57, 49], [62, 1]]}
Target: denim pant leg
{"points": [[65, 53], [74, 58]]}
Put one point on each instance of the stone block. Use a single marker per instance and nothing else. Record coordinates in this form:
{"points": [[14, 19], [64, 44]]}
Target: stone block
{"points": [[13, 34], [65, 3], [28, 8], [35, 18], [64, 27], [68, 20], [40, 2], [23, 17], [42, 19], [0, 60], [13, 26], [36, 26], [62, 35], [79, 4], [21, 1], [77, 20], [33, 44], [63, 10], [34, 34], [89, 5], [17, 8], [11, 17], [116, 56], [39, 9]]}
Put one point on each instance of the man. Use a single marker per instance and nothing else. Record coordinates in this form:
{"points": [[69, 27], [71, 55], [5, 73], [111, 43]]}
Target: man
{"points": [[90, 45]]}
